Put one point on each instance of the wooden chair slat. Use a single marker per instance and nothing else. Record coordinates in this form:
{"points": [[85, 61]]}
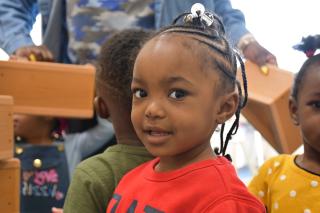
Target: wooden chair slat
{"points": [[50, 89]]}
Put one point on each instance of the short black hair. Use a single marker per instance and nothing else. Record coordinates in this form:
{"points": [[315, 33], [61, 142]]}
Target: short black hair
{"points": [[307, 66], [116, 61], [208, 34]]}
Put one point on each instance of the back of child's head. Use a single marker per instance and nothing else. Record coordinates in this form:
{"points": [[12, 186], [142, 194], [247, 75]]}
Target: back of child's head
{"points": [[307, 67], [116, 63], [32, 126], [206, 38]]}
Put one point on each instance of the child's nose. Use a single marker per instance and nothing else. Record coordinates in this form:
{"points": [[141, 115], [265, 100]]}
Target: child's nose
{"points": [[154, 110]]}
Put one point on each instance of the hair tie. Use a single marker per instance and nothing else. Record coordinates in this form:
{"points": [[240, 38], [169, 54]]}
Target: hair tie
{"points": [[308, 45]]}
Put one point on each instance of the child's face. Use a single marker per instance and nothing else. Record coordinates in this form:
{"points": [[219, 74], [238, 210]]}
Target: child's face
{"points": [[27, 126], [174, 103], [308, 109]]}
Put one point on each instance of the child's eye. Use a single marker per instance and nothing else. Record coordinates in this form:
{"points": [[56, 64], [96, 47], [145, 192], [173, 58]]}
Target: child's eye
{"points": [[178, 94], [315, 104], [139, 93]]}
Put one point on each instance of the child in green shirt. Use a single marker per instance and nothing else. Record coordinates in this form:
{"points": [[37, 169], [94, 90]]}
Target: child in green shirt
{"points": [[95, 179]]}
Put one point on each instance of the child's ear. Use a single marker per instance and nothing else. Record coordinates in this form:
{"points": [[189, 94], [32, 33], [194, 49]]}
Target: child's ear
{"points": [[293, 109], [101, 107], [228, 107]]}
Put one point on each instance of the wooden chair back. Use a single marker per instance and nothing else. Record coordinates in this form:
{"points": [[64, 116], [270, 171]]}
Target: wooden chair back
{"points": [[52, 89], [267, 109]]}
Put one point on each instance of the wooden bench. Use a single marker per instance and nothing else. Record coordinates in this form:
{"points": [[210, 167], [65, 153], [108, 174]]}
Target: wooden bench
{"points": [[267, 109], [52, 89]]}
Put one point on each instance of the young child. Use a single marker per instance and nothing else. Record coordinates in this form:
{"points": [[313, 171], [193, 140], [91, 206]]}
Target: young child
{"points": [[96, 178], [184, 86], [48, 162], [291, 183]]}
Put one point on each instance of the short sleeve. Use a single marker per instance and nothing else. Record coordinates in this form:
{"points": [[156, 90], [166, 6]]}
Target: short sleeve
{"points": [[237, 205], [259, 185]]}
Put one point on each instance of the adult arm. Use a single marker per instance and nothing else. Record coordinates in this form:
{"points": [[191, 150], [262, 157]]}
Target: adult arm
{"points": [[238, 34], [233, 19], [16, 20]]}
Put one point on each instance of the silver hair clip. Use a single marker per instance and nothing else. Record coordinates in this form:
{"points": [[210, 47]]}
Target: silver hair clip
{"points": [[198, 10]]}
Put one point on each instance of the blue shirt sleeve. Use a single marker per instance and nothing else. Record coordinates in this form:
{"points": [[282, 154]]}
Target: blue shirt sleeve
{"points": [[233, 20], [16, 20]]}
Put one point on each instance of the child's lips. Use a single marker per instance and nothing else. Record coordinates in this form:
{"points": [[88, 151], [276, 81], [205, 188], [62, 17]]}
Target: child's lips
{"points": [[156, 135]]}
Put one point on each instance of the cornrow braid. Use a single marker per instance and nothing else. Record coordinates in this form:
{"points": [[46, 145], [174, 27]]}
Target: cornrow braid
{"points": [[210, 32]]}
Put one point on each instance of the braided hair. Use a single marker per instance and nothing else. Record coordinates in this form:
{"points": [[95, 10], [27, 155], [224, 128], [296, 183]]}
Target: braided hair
{"points": [[207, 29]]}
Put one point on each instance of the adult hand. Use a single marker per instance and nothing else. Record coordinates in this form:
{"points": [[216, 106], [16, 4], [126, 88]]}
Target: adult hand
{"points": [[33, 53], [258, 54], [56, 210]]}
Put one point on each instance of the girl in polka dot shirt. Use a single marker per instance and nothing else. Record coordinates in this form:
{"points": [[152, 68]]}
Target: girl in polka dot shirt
{"points": [[291, 183]]}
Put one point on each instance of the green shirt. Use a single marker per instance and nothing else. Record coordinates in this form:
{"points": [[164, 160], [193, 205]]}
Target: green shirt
{"points": [[95, 178]]}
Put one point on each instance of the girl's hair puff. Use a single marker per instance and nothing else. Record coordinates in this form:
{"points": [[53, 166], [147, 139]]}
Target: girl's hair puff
{"points": [[299, 78]]}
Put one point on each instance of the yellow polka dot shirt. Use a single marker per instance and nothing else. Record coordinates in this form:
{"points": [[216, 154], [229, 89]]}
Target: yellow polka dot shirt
{"points": [[284, 187]]}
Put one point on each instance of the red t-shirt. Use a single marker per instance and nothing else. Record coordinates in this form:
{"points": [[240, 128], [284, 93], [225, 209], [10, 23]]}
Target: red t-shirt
{"points": [[205, 186]]}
